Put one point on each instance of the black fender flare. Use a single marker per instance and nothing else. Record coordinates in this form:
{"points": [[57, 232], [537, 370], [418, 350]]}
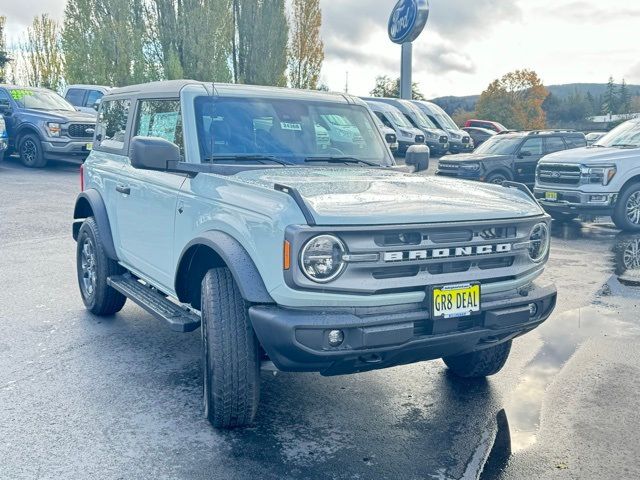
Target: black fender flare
{"points": [[237, 259], [92, 198], [27, 127]]}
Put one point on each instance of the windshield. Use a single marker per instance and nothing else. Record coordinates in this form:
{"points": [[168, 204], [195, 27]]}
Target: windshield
{"points": [[423, 120], [499, 145], [240, 128], [398, 118], [626, 135], [39, 99], [443, 118]]}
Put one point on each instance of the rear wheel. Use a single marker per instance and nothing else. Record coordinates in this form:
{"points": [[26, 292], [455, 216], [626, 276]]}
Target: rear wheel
{"points": [[481, 363], [30, 151], [230, 353], [94, 267], [626, 215]]}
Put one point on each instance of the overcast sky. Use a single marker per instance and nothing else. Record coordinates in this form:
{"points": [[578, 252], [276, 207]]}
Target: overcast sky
{"points": [[467, 43]]}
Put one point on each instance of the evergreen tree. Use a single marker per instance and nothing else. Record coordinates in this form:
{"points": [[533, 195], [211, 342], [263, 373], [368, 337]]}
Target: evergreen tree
{"points": [[624, 99], [610, 99], [306, 50], [260, 42]]}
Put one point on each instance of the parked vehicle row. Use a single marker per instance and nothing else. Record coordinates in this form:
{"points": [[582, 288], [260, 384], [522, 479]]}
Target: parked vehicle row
{"points": [[293, 258]]}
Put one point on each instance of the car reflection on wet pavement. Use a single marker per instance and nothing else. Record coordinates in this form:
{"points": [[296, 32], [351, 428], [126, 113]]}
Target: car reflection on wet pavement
{"points": [[84, 398]]}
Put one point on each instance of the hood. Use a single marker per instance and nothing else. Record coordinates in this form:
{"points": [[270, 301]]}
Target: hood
{"points": [[61, 116], [469, 157], [592, 155], [377, 196]]}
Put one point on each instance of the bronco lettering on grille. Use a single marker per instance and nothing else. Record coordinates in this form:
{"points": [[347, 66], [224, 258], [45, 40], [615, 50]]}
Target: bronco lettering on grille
{"points": [[457, 252]]}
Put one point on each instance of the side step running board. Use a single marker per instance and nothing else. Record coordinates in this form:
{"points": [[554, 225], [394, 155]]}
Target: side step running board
{"points": [[178, 318]]}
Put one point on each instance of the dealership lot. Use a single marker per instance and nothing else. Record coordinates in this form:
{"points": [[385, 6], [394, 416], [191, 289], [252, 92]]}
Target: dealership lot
{"points": [[82, 397]]}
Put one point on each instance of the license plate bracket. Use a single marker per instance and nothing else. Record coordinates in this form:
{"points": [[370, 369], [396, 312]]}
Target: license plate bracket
{"points": [[456, 300]]}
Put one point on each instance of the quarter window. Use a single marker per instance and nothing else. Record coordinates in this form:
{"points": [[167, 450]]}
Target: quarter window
{"points": [[554, 144], [112, 124], [160, 118]]}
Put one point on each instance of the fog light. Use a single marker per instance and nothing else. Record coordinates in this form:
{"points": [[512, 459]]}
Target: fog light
{"points": [[533, 309], [598, 198], [336, 337]]}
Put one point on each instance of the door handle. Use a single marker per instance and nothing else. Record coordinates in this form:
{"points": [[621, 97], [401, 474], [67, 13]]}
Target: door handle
{"points": [[124, 190]]}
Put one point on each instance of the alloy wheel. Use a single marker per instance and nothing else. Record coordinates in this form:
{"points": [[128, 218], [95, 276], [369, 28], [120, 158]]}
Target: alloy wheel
{"points": [[633, 208], [29, 152], [88, 266]]}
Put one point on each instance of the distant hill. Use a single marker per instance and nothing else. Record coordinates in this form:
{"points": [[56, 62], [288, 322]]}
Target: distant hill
{"points": [[450, 104]]}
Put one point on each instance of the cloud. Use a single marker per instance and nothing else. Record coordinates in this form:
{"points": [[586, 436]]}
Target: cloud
{"points": [[588, 12], [20, 13], [354, 31]]}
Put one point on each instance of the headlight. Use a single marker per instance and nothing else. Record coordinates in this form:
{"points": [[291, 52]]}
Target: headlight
{"points": [[539, 242], [470, 167], [599, 175], [53, 129], [321, 258]]}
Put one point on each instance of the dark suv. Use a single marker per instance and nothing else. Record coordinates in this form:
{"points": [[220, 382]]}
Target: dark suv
{"points": [[42, 125], [510, 156]]}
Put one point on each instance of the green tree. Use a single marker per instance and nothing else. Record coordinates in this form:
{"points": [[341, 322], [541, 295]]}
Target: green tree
{"points": [[515, 100], [41, 54], [306, 50], [260, 39], [106, 41], [610, 99], [4, 55], [387, 87], [191, 38], [624, 98]]}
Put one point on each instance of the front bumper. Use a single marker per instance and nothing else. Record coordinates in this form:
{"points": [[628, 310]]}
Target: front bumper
{"points": [[576, 201], [437, 148], [66, 149], [380, 337], [459, 147]]}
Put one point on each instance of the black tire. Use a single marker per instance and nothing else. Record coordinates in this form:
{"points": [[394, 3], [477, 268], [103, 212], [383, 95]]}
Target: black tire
{"points": [[230, 353], [93, 268], [481, 363], [563, 217], [30, 151], [497, 178], [622, 216]]}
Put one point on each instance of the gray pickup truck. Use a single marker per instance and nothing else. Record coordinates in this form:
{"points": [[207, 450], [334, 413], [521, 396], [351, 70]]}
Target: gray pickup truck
{"points": [[216, 206]]}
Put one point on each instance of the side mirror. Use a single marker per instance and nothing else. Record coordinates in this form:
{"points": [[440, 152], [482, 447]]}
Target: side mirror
{"points": [[418, 156], [96, 104], [5, 108], [153, 153]]}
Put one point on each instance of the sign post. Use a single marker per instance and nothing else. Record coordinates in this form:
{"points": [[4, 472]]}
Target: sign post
{"points": [[407, 21]]}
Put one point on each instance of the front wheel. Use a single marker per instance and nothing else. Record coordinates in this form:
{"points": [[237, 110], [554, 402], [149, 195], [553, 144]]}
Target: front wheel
{"points": [[230, 353], [481, 363], [626, 215], [93, 268], [30, 150], [497, 178]]}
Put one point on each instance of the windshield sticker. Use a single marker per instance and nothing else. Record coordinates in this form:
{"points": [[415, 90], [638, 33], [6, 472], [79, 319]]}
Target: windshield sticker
{"points": [[291, 126], [19, 94]]}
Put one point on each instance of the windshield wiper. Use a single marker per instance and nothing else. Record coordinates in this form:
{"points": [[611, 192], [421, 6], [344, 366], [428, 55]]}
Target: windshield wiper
{"points": [[625, 145], [243, 158], [340, 159]]}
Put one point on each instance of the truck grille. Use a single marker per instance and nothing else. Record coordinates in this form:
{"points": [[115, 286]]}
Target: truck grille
{"points": [[559, 174], [412, 257], [443, 139], [448, 168], [79, 130]]}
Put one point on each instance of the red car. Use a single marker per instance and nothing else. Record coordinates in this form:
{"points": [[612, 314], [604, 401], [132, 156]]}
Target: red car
{"points": [[489, 125]]}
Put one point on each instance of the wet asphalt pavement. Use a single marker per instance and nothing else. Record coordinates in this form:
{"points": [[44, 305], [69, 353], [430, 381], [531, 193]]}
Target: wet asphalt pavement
{"points": [[89, 398]]}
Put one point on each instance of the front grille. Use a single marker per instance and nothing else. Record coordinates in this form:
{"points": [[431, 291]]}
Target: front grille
{"points": [[390, 138], [79, 130], [448, 168], [419, 138], [443, 139], [559, 174]]}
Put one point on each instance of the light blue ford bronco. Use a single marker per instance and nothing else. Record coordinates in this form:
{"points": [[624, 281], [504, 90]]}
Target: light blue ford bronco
{"points": [[217, 206]]}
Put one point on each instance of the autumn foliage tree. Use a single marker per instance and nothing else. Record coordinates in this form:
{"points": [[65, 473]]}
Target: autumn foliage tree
{"points": [[515, 100], [41, 53], [306, 50]]}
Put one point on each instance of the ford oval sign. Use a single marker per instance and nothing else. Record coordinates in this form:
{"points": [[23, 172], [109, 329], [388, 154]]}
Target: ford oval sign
{"points": [[407, 20]]}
